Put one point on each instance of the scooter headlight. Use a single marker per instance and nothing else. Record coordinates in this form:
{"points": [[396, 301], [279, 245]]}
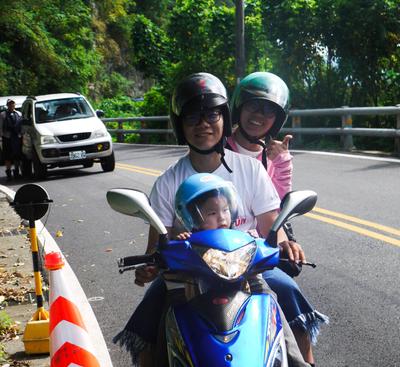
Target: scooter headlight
{"points": [[228, 265]]}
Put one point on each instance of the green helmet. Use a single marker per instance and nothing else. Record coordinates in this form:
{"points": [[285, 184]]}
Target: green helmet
{"points": [[264, 86]]}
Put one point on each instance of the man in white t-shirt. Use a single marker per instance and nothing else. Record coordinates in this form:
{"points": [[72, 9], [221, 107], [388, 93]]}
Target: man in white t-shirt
{"points": [[257, 192]]}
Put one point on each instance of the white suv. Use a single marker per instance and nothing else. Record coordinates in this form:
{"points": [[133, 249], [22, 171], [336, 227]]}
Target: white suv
{"points": [[62, 130]]}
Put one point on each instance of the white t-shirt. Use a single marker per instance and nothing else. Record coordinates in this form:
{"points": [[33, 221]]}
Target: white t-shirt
{"points": [[250, 153], [254, 186]]}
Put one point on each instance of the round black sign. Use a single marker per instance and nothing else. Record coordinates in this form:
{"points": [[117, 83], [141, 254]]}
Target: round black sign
{"points": [[31, 202]]}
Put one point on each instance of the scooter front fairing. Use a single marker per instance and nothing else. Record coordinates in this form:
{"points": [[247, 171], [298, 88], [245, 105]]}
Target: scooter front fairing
{"points": [[237, 329]]}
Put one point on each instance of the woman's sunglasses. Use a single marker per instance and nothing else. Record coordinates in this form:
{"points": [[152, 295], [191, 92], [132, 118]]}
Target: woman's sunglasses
{"points": [[210, 116], [261, 106]]}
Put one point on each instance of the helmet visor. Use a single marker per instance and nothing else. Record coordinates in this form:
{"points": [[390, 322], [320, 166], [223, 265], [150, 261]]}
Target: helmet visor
{"points": [[202, 103], [213, 209], [266, 108], [211, 116]]}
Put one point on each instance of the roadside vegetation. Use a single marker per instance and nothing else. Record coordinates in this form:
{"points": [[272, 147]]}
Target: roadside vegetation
{"points": [[8, 330], [330, 52]]}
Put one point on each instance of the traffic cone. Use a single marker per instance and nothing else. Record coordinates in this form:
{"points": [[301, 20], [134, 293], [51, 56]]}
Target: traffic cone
{"points": [[69, 339]]}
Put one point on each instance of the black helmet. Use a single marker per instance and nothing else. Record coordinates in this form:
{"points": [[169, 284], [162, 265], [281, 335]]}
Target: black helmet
{"points": [[264, 86], [199, 91]]}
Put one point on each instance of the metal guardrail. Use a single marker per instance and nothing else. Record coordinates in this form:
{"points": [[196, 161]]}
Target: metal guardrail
{"points": [[346, 131]]}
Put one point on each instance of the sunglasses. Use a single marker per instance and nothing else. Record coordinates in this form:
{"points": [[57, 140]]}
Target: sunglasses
{"points": [[263, 107], [210, 116]]}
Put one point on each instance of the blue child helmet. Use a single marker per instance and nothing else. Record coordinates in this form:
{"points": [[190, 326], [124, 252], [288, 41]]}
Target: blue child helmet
{"points": [[197, 187]]}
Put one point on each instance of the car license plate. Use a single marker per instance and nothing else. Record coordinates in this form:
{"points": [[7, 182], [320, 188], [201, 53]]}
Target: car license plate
{"points": [[79, 154]]}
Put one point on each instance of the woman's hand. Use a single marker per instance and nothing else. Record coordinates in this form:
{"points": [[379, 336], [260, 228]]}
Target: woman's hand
{"points": [[276, 147]]}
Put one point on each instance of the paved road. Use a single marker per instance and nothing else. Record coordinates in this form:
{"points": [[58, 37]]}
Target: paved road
{"points": [[353, 236]]}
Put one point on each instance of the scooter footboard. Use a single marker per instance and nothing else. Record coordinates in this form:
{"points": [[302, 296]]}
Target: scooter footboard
{"points": [[192, 340]]}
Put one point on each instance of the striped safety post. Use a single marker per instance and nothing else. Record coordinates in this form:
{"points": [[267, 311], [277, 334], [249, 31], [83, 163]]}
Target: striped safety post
{"points": [[41, 313], [31, 202], [70, 343]]}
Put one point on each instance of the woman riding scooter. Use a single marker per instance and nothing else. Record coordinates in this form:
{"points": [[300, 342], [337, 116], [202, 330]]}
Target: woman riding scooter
{"points": [[259, 108]]}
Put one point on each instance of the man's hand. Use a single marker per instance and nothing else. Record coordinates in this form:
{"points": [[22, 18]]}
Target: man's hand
{"points": [[183, 236], [292, 251], [276, 147], [145, 274]]}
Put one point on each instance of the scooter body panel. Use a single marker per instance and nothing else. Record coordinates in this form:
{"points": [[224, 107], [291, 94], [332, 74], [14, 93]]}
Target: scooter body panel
{"points": [[193, 341]]}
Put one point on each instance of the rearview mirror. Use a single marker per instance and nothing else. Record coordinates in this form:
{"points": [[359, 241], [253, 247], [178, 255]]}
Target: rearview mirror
{"points": [[136, 204], [100, 114], [294, 203]]}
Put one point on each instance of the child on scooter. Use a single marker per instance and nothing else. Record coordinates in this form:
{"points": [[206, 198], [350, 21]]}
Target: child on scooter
{"points": [[214, 206], [205, 201]]}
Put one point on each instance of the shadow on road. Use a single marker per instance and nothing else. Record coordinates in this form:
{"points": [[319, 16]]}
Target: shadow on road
{"points": [[52, 175]]}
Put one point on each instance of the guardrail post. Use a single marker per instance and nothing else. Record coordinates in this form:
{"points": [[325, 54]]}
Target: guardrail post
{"points": [[298, 138], [144, 138], [347, 123], [397, 138], [120, 136]]}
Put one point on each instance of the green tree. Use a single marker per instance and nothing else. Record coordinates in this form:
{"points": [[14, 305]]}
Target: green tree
{"points": [[202, 39], [47, 46], [330, 57]]}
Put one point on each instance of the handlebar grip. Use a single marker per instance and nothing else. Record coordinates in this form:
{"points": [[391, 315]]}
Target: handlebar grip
{"points": [[135, 260]]}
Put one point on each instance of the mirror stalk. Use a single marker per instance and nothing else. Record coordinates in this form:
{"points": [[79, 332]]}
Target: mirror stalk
{"points": [[272, 238]]}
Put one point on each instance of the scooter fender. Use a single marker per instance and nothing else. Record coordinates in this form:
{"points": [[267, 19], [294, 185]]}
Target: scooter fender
{"points": [[193, 341]]}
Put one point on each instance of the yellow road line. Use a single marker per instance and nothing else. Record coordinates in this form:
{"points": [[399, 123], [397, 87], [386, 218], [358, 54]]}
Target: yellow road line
{"points": [[359, 221], [354, 228], [350, 227], [138, 171], [142, 169]]}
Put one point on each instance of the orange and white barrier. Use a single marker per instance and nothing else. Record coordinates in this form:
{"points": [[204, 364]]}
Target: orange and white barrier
{"points": [[70, 342]]}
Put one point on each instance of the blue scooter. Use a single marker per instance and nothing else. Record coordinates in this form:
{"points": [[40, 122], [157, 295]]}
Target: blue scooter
{"points": [[226, 317]]}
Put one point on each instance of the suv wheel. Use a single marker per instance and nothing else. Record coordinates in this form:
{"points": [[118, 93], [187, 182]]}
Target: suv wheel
{"points": [[108, 163], [39, 169]]}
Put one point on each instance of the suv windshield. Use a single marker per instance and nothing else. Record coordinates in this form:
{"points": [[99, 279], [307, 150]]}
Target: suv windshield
{"points": [[62, 109]]}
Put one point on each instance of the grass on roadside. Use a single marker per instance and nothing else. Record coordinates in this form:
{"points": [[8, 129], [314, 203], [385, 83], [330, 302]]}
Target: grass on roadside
{"points": [[8, 330]]}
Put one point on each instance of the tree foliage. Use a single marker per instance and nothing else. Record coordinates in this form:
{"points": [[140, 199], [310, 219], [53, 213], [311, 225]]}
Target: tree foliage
{"points": [[330, 52], [337, 52], [46, 46]]}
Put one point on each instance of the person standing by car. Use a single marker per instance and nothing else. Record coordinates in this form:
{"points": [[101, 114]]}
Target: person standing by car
{"points": [[10, 129]]}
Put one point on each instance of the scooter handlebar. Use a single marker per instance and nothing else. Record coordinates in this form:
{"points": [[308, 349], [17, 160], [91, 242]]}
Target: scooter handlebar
{"points": [[136, 260]]}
